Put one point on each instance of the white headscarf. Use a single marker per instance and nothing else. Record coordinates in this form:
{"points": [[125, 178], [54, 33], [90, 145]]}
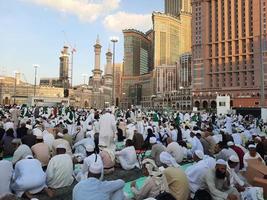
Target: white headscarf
{"points": [[156, 173]]}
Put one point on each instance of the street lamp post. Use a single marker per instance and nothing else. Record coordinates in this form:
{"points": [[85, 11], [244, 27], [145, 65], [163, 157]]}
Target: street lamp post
{"points": [[114, 40], [35, 77]]}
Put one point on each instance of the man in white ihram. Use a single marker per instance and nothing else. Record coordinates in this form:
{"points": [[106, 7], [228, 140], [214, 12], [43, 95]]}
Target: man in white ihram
{"points": [[108, 130]]}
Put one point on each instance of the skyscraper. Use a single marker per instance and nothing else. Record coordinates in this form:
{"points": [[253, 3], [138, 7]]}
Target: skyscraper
{"points": [[226, 51], [138, 55], [174, 7], [172, 37], [137, 67]]}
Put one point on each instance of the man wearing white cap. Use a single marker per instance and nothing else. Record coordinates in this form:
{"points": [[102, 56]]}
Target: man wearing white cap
{"points": [[252, 155], [108, 129], [92, 157], [217, 182], [197, 171], [235, 181], [59, 140], [96, 189], [156, 150], [60, 169], [80, 147], [29, 178], [196, 144]]}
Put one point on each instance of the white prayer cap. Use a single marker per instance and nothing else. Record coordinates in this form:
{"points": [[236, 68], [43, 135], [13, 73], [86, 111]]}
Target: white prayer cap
{"points": [[16, 141], [37, 132], [108, 109], [60, 135], [152, 140], [61, 146], [230, 143], [28, 126], [221, 162], [95, 168], [252, 146], [199, 154], [89, 148], [171, 127], [234, 158]]}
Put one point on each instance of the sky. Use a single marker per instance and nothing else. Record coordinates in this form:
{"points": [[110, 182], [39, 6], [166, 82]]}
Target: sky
{"points": [[33, 32]]}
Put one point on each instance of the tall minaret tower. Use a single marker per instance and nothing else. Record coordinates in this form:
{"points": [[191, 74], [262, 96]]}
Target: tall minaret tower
{"points": [[64, 67], [108, 70], [97, 71]]}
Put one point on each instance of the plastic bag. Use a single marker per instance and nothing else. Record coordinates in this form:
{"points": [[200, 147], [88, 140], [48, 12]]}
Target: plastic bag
{"points": [[252, 193]]}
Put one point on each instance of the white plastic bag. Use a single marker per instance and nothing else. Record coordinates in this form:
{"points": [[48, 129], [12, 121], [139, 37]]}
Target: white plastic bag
{"points": [[252, 193]]}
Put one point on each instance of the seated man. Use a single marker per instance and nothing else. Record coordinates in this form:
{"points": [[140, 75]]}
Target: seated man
{"points": [[29, 178], [168, 160], [175, 150], [59, 140], [41, 151], [153, 183], [177, 183], [60, 169], [96, 189], [5, 177], [217, 182], [235, 180], [197, 171], [22, 150], [156, 150], [252, 154], [127, 157], [91, 158], [138, 140], [80, 146], [108, 158]]}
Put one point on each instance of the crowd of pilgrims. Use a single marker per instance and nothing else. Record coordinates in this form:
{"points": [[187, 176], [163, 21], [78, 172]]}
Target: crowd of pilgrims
{"points": [[43, 149]]}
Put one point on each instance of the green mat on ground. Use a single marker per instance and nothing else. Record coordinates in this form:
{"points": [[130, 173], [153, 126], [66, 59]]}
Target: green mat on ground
{"points": [[140, 182], [8, 158]]}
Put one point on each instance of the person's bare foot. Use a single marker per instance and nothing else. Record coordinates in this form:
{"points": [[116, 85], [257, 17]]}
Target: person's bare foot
{"points": [[49, 192]]}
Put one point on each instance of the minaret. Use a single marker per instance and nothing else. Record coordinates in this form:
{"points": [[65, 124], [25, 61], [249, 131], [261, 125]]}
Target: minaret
{"points": [[97, 71], [64, 67], [108, 70]]}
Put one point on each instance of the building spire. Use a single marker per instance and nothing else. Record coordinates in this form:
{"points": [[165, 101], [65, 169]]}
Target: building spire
{"points": [[97, 39]]}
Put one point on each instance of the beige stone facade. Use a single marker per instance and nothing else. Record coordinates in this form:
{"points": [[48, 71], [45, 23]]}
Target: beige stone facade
{"points": [[172, 37], [20, 92], [226, 50]]}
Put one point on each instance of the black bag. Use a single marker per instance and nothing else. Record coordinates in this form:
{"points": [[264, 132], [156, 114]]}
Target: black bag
{"points": [[165, 196]]}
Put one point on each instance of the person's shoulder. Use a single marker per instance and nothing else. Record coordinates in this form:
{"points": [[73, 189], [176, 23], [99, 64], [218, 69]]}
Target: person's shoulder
{"points": [[5, 163]]}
